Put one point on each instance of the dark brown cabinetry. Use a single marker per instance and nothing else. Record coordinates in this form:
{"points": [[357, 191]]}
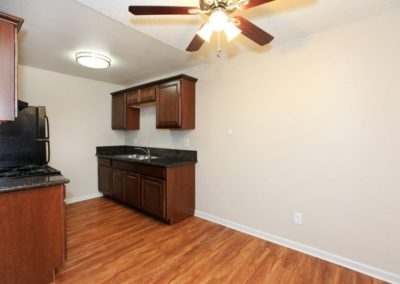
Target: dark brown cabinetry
{"points": [[175, 103], [104, 175], [118, 185], [132, 190], [133, 98], [33, 236], [124, 117], [147, 94], [153, 196], [167, 194], [139, 96], [9, 25]]}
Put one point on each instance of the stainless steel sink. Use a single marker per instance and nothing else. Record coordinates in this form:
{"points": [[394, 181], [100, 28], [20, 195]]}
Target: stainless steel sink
{"points": [[138, 157]]}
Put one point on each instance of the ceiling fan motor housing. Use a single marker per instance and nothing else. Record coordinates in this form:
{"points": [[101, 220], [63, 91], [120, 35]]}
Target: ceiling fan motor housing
{"points": [[213, 4]]}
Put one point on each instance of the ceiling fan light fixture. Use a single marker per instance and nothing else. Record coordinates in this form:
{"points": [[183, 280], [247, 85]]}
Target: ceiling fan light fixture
{"points": [[93, 60], [231, 31], [206, 32], [218, 20]]}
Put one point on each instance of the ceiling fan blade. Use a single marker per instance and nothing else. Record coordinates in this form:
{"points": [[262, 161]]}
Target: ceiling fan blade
{"points": [[253, 32], [254, 3], [195, 44], [161, 10]]}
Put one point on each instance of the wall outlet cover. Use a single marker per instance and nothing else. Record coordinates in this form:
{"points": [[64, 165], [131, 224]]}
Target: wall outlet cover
{"points": [[298, 218]]}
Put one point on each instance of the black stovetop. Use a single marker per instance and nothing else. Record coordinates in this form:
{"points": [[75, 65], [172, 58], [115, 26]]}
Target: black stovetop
{"points": [[27, 171]]}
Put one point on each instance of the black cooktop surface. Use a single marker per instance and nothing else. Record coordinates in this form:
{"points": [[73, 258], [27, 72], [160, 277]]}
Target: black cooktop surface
{"points": [[27, 171]]}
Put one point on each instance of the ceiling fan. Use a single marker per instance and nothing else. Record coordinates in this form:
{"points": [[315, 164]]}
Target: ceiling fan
{"points": [[220, 19]]}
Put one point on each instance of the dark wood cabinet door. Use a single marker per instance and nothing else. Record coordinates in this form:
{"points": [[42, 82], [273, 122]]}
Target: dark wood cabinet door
{"points": [[9, 26], [132, 190], [153, 196], [148, 94], [104, 176], [168, 97], [118, 112], [133, 97], [117, 184]]}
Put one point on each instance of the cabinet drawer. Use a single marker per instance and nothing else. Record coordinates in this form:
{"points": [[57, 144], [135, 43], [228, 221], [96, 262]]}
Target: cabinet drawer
{"points": [[137, 168], [148, 94], [133, 98], [104, 162]]}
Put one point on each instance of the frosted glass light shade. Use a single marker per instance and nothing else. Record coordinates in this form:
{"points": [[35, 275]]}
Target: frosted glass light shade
{"points": [[93, 60], [231, 31], [205, 32], [218, 20]]}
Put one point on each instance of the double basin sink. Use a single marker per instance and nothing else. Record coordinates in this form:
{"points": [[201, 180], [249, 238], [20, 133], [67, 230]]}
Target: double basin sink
{"points": [[138, 157]]}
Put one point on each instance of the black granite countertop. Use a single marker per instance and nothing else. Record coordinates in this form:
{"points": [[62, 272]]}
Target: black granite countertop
{"points": [[15, 184], [167, 157]]}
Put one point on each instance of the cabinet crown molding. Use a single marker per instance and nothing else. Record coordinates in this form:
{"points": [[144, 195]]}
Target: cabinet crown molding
{"points": [[153, 83], [12, 19]]}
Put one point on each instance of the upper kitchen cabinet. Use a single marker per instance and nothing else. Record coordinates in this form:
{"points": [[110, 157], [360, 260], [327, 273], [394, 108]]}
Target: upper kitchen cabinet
{"points": [[176, 104], [174, 98], [9, 26], [122, 116], [141, 95]]}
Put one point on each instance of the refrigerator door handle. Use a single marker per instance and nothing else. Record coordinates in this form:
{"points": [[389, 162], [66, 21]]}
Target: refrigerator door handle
{"points": [[47, 127], [48, 151]]}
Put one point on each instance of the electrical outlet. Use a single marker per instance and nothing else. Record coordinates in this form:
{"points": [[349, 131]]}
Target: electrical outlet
{"points": [[229, 131], [297, 218], [187, 142]]}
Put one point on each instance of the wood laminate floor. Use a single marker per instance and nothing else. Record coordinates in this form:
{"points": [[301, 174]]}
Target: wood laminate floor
{"points": [[110, 243]]}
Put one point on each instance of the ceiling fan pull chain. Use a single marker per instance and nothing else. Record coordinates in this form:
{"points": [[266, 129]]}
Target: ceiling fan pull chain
{"points": [[219, 53]]}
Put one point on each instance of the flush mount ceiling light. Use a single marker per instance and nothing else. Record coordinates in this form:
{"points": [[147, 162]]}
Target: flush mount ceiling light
{"points": [[93, 60], [220, 19]]}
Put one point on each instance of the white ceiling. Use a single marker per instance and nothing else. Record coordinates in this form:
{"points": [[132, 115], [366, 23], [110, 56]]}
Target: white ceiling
{"points": [[54, 30], [142, 47], [284, 19]]}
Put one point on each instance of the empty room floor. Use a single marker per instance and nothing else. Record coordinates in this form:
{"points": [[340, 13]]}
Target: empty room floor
{"points": [[110, 243]]}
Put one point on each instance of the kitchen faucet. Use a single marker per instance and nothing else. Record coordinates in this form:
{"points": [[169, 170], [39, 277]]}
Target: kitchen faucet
{"points": [[146, 150]]}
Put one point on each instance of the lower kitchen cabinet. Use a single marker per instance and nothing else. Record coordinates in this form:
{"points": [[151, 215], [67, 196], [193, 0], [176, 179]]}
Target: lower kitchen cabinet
{"points": [[132, 192], [167, 194], [104, 174], [153, 196], [118, 185], [33, 234]]}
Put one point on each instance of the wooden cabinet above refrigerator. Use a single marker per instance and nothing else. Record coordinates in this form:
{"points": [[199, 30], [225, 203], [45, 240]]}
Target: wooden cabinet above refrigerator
{"points": [[9, 26]]}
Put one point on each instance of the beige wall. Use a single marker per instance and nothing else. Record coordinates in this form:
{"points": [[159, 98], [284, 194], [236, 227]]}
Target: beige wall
{"points": [[79, 113], [316, 129]]}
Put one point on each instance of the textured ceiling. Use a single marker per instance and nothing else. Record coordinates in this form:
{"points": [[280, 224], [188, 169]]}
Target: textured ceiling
{"points": [[149, 46], [54, 30], [284, 19]]}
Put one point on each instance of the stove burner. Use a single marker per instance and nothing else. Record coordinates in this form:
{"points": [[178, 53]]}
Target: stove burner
{"points": [[27, 171]]}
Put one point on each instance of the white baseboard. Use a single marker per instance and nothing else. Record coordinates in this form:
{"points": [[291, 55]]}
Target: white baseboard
{"points": [[348, 263], [83, 197]]}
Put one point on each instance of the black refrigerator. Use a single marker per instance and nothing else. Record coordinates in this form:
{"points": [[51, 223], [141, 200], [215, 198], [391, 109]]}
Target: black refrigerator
{"points": [[25, 141]]}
